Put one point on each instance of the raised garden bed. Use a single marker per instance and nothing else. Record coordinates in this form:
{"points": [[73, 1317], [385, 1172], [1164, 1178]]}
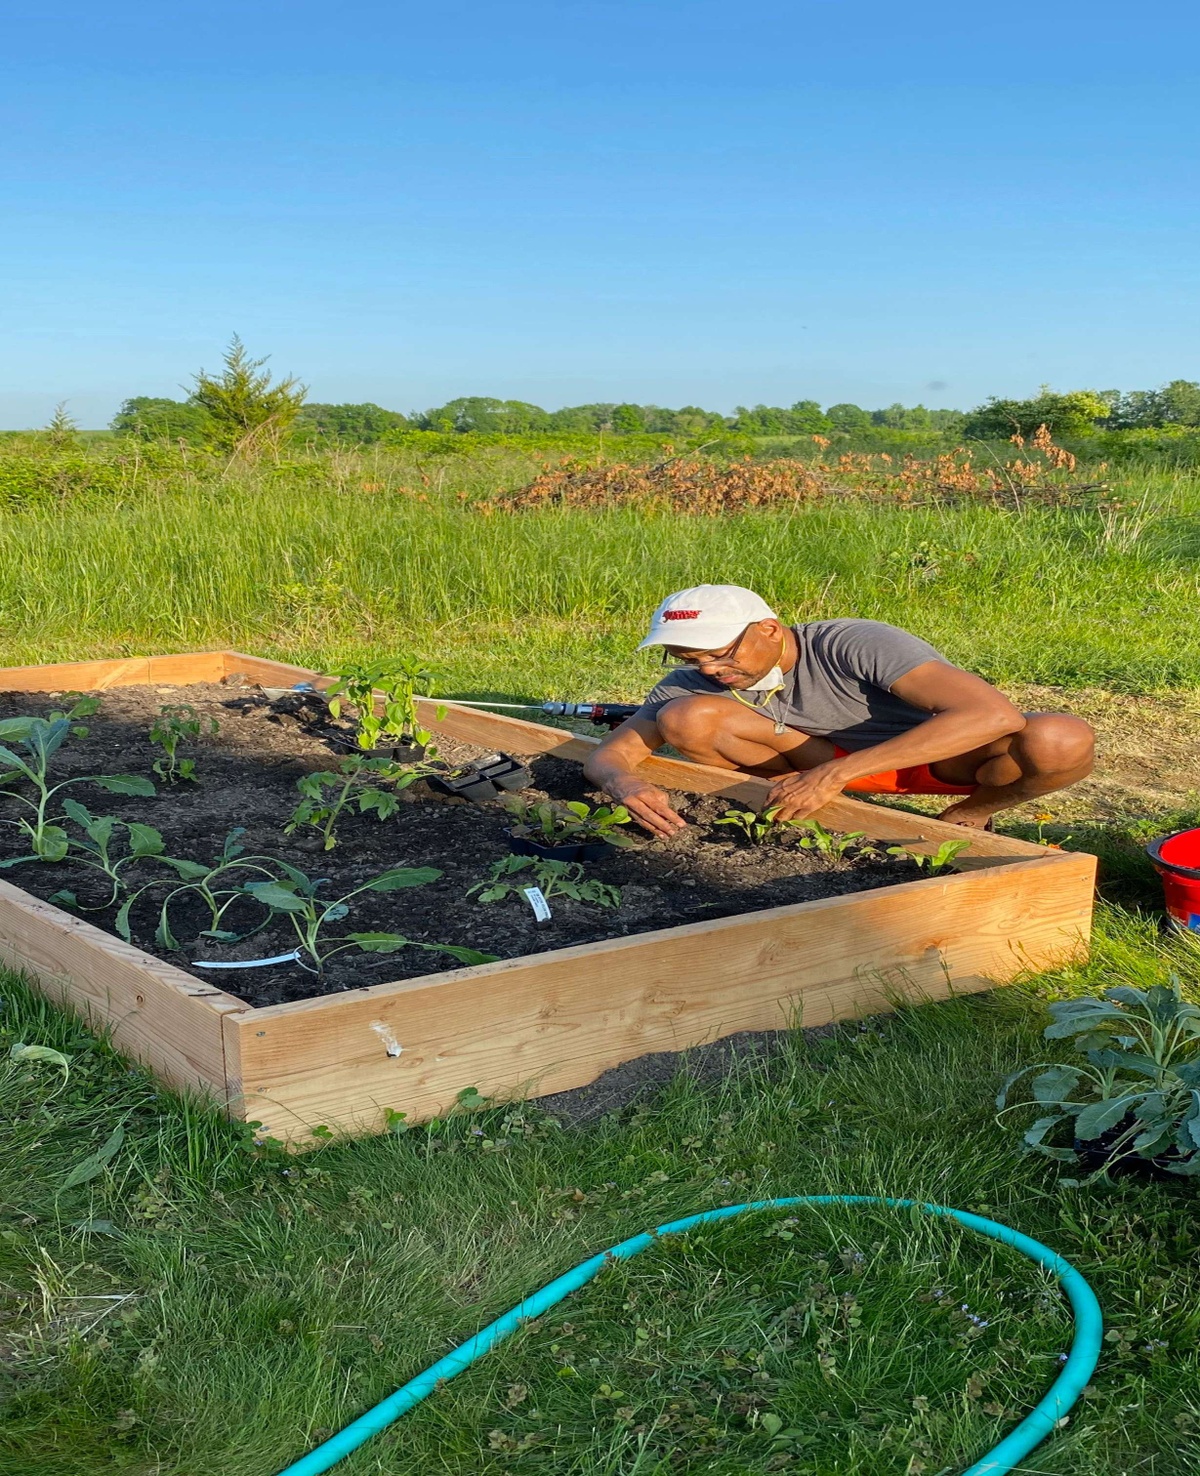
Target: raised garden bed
{"points": [[712, 937]]}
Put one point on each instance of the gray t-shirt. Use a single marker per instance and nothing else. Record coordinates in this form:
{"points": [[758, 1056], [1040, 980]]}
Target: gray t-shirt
{"points": [[838, 688]]}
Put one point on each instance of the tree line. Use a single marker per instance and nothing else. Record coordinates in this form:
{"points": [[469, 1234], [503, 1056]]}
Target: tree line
{"points": [[242, 408]]}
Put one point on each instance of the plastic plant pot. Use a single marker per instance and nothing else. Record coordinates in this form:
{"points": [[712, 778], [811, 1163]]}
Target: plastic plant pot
{"points": [[1096, 1153], [504, 771], [484, 779], [522, 845], [469, 786]]}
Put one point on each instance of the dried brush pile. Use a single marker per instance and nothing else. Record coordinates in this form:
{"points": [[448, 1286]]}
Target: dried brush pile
{"points": [[694, 485]]}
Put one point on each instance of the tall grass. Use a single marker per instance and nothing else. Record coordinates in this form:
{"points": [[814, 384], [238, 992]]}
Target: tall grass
{"points": [[550, 602]]}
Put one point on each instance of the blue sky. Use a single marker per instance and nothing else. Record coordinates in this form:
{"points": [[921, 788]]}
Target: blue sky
{"points": [[671, 201]]}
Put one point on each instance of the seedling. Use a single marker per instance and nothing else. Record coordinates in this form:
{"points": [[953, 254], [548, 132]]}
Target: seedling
{"points": [[396, 682], [41, 738], [573, 823], [177, 725], [552, 879], [217, 885], [941, 858], [753, 827], [94, 849], [356, 781], [825, 842], [295, 895]]}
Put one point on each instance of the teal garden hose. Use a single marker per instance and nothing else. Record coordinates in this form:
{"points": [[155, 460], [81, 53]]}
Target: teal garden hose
{"points": [[1033, 1429]]}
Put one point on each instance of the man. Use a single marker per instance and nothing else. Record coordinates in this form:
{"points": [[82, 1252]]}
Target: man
{"points": [[826, 706]]}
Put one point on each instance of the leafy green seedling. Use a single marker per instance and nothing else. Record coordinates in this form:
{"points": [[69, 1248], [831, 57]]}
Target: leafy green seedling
{"points": [[825, 842], [941, 858], [295, 895], [41, 738], [176, 725], [356, 781], [1139, 1091], [552, 878], [749, 824], [395, 682], [94, 849], [555, 824], [216, 884]]}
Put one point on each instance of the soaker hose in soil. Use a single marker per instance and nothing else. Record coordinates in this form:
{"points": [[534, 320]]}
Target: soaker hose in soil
{"points": [[1033, 1429]]}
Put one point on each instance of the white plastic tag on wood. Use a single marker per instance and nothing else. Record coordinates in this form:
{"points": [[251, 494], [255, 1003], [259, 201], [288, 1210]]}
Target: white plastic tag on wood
{"points": [[541, 908]]}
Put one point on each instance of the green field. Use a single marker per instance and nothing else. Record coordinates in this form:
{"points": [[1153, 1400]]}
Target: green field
{"points": [[204, 1305]]}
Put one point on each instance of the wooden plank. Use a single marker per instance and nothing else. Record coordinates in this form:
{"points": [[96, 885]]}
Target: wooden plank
{"points": [[497, 730], [271, 673], [555, 1021], [132, 671], [151, 1010]]}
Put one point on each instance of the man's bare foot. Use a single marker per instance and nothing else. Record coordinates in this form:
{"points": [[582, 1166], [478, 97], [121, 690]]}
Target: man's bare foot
{"points": [[963, 814]]}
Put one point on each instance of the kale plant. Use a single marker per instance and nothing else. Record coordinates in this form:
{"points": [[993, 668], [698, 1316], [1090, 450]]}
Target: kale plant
{"points": [[41, 738], [295, 896], [1135, 1093]]}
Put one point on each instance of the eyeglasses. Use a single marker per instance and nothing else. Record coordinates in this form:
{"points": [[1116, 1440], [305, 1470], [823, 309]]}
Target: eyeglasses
{"points": [[714, 658]]}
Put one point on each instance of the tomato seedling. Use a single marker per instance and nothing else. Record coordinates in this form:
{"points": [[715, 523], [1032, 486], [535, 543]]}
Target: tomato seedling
{"points": [[176, 725], [356, 782], [395, 682], [552, 879]]}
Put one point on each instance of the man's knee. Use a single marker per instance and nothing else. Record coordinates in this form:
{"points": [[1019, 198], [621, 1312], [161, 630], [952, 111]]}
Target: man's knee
{"points": [[1056, 743], [689, 722]]}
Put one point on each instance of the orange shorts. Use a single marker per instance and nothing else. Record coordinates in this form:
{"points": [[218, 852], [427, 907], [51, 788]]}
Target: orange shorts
{"points": [[917, 780]]}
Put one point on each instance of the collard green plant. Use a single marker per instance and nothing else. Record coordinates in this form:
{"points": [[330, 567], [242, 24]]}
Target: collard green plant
{"points": [[178, 724], [361, 783], [395, 682], [750, 825], [825, 842], [938, 861], [40, 739], [1136, 1092], [552, 878], [556, 824], [295, 896]]}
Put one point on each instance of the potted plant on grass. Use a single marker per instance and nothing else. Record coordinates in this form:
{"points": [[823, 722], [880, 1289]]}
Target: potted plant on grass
{"points": [[1132, 1104]]}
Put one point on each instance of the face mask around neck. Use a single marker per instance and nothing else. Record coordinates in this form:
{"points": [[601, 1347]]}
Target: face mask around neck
{"points": [[769, 683]]}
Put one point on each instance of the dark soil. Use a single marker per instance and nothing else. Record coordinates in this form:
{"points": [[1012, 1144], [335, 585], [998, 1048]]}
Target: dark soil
{"points": [[247, 776]]}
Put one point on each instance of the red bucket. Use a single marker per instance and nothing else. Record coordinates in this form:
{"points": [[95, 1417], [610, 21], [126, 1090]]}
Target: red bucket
{"points": [[1176, 858]]}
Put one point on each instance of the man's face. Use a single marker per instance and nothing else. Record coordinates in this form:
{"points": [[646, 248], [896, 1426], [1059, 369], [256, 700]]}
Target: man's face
{"points": [[742, 662]]}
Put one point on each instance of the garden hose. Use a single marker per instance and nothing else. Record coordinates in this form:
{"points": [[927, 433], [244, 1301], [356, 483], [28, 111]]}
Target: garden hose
{"points": [[1033, 1429]]}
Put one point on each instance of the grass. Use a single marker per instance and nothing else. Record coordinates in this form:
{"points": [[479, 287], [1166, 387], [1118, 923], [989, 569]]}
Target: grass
{"points": [[551, 603], [202, 1304], [254, 1301]]}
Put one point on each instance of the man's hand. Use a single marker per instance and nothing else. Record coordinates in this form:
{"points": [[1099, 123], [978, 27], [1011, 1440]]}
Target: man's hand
{"points": [[801, 794], [649, 805]]}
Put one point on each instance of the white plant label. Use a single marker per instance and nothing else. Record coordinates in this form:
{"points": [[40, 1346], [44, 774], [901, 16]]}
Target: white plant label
{"points": [[541, 908]]}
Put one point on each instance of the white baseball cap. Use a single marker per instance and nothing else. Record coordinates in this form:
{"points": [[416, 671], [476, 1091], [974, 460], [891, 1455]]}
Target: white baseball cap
{"points": [[706, 617]]}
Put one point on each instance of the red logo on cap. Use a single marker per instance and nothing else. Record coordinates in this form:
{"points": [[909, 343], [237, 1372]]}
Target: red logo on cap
{"points": [[681, 614]]}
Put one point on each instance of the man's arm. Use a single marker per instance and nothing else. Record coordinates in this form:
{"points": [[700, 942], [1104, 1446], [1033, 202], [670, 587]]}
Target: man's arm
{"points": [[612, 768], [967, 713]]}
